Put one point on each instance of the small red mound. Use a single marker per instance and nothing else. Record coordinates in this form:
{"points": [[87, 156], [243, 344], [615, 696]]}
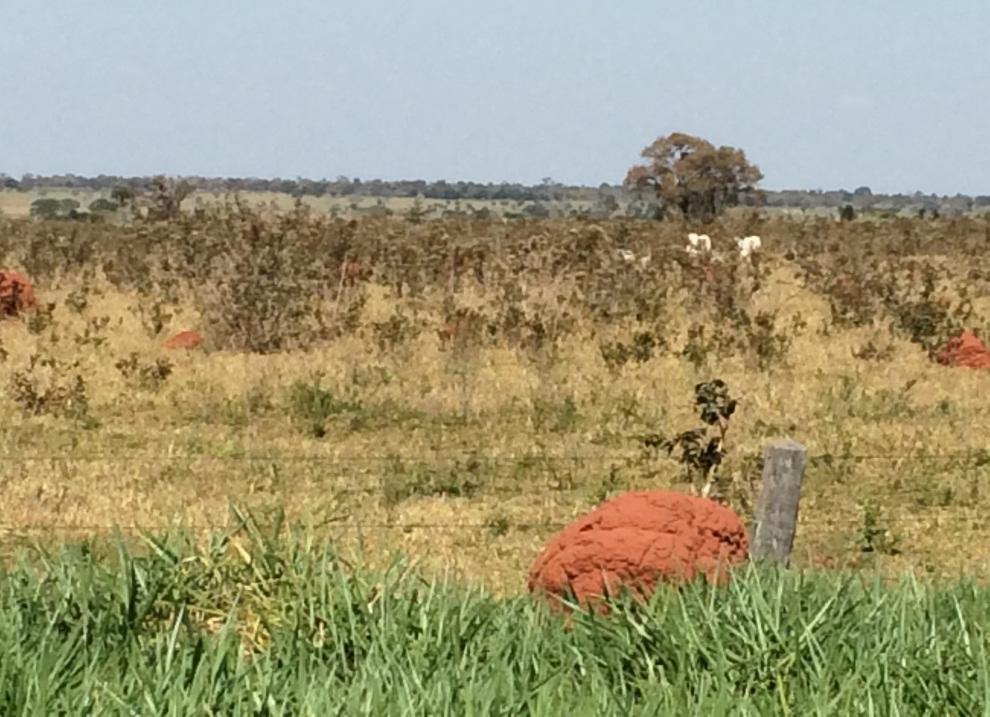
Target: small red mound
{"points": [[352, 272], [635, 541], [16, 294], [965, 350], [183, 340]]}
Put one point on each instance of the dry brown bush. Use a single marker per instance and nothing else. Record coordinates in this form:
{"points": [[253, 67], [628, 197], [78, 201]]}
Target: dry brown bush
{"points": [[266, 281]]}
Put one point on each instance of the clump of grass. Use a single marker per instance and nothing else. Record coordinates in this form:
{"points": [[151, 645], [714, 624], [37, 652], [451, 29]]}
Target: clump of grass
{"points": [[768, 344], [41, 319], [555, 414], [312, 405], [148, 376], [94, 332], [395, 332], [498, 524], [403, 480], [874, 536], [639, 349], [49, 386]]}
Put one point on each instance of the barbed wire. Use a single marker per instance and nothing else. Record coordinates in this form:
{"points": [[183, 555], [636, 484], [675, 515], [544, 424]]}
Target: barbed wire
{"points": [[768, 379], [979, 454], [454, 357], [841, 522], [134, 528]]}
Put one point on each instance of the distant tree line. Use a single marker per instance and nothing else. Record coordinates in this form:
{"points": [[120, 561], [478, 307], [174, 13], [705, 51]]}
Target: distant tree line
{"points": [[861, 199], [547, 190]]}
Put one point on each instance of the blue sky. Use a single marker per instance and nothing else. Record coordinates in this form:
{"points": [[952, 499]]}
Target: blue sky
{"points": [[894, 95]]}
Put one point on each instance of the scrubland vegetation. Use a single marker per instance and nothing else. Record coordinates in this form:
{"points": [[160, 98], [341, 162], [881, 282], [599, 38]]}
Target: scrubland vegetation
{"points": [[498, 376], [455, 391]]}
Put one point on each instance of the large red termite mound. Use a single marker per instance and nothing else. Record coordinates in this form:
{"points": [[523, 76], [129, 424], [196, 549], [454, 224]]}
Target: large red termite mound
{"points": [[16, 294], [183, 340], [636, 541], [966, 350]]}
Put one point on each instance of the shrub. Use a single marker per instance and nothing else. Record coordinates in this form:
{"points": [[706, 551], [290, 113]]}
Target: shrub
{"points": [[264, 284], [311, 406], [52, 387], [103, 206], [149, 376]]}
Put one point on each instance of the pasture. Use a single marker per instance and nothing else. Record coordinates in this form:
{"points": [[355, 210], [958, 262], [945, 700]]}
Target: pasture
{"points": [[17, 204], [488, 381], [453, 392]]}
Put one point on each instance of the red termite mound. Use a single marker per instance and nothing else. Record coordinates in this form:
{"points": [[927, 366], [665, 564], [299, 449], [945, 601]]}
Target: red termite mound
{"points": [[16, 294], [183, 340], [636, 541], [966, 350]]}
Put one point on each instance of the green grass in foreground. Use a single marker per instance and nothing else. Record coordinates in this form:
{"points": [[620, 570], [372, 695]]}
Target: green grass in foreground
{"points": [[243, 625]]}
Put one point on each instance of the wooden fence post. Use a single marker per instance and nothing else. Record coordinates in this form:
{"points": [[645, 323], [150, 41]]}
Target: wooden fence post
{"points": [[777, 510]]}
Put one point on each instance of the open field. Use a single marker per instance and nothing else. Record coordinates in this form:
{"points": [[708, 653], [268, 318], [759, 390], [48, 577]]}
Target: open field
{"points": [[17, 204], [453, 392], [489, 381]]}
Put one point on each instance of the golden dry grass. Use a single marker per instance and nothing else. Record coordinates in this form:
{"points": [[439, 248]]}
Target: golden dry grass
{"points": [[467, 462]]}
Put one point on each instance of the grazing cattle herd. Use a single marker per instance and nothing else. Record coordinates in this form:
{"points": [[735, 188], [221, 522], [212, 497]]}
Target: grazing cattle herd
{"points": [[699, 245]]}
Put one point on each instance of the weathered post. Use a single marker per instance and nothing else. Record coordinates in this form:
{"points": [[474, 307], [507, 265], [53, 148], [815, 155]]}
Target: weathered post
{"points": [[777, 510]]}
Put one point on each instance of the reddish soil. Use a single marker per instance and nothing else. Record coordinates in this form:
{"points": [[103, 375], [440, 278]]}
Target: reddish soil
{"points": [[183, 340], [636, 541], [351, 273], [448, 331], [965, 350], [16, 294]]}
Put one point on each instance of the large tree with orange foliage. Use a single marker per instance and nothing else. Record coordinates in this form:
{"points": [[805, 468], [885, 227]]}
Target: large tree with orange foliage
{"points": [[692, 176]]}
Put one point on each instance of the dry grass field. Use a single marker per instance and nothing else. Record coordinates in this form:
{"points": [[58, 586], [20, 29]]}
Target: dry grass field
{"points": [[17, 204], [472, 385]]}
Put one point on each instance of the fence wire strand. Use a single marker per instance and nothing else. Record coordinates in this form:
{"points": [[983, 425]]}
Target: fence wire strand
{"points": [[978, 454], [848, 523], [467, 461]]}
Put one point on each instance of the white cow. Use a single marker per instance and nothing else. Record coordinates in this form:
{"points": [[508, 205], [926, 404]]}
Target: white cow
{"points": [[630, 258], [698, 244], [748, 246]]}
